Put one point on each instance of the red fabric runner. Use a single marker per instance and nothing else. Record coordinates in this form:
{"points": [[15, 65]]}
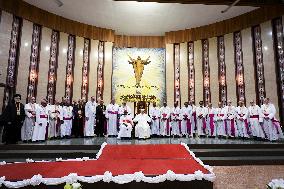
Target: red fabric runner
{"points": [[118, 159]]}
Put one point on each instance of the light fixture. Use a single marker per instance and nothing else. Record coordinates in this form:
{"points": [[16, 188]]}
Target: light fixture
{"points": [[46, 48], [64, 50], [265, 48], [26, 44]]}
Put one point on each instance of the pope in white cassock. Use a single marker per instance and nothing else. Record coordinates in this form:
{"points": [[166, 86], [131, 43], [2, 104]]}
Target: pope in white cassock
{"points": [[90, 114], [29, 123], [142, 129], [112, 116], [242, 122], [254, 115], [125, 125]]}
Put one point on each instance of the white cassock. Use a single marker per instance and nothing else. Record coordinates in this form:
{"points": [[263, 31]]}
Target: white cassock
{"points": [[54, 119], [271, 126], [186, 126], [155, 114], [40, 124], [201, 113], [125, 126], [230, 120], [254, 116], [193, 119], [220, 118], [211, 123], [175, 121], [165, 113], [112, 122], [123, 108], [90, 113], [242, 122], [66, 116], [29, 123], [142, 129]]}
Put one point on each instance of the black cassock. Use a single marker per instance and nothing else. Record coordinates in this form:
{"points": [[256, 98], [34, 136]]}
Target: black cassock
{"points": [[78, 121], [100, 120], [12, 120]]}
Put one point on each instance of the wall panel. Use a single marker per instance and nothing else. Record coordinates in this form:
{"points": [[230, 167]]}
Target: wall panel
{"points": [[44, 64], [170, 74], [61, 70], [230, 68], [107, 71], [5, 35], [183, 73], [269, 64], [213, 62], [198, 71], [248, 65], [93, 68], [77, 83], [24, 59]]}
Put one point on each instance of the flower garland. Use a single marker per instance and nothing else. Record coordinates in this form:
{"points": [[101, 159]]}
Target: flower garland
{"points": [[107, 176]]}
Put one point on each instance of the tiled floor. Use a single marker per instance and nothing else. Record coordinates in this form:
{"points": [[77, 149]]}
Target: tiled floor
{"points": [[246, 177]]}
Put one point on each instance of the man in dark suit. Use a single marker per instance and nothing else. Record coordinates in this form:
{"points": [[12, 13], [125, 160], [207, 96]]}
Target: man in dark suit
{"points": [[12, 119], [100, 118]]}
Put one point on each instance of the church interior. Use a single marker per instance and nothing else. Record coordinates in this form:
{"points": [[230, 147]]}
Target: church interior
{"points": [[142, 93]]}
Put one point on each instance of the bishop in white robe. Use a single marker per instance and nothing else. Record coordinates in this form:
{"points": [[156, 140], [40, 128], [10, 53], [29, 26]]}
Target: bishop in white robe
{"points": [[175, 120], [90, 115], [230, 119], [211, 121], [112, 118], [186, 126], [165, 113], [271, 125], [66, 116], [254, 117], [125, 126], [155, 119], [242, 122], [29, 123], [40, 127], [201, 113]]}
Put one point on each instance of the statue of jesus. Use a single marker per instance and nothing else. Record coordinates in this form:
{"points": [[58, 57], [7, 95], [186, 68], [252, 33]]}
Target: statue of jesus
{"points": [[138, 66]]}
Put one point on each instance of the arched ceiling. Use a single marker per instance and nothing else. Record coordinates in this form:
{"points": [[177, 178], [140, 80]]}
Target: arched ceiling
{"points": [[139, 18]]}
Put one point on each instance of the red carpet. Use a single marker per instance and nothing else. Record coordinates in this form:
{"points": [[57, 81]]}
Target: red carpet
{"points": [[117, 159]]}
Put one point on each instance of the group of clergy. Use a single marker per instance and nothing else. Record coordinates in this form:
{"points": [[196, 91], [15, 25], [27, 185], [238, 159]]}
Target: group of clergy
{"points": [[205, 121], [39, 122]]}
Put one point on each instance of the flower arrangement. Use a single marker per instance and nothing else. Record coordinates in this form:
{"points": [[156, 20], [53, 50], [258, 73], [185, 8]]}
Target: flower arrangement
{"points": [[75, 185], [276, 184]]}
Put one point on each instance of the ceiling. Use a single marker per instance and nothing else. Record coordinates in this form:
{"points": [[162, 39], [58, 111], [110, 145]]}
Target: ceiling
{"points": [[140, 18]]}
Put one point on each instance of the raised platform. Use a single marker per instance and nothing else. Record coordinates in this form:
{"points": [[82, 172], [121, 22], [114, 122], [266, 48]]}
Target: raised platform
{"points": [[131, 165], [215, 152]]}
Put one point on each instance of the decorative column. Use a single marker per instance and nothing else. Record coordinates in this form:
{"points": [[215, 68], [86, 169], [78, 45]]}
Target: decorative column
{"points": [[191, 72], [222, 70], [13, 61], [70, 68], [279, 60], [85, 69], [258, 64], [34, 62], [100, 70], [239, 67], [53, 64], [177, 73], [206, 72]]}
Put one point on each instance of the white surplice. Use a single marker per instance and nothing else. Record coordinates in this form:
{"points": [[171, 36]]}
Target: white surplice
{"points": [[66, 116], [254, 117], [242, 123], [175, 121], [201, 113]]}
